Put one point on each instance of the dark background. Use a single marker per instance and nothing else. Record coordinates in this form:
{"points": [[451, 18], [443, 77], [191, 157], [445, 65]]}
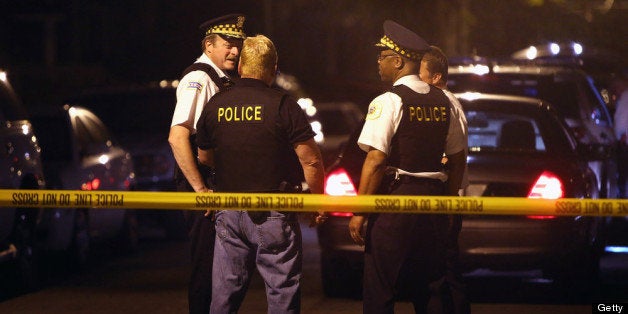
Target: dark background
{"points": [[53, 49]]}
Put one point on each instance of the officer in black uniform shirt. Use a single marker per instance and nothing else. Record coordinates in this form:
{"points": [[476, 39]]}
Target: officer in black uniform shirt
{"points": [[406, 133], [250, 135]]}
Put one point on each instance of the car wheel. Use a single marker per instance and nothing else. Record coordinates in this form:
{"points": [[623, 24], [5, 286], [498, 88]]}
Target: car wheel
{"points": [[128, 239], [80, 246], [27, 253], [579, 270], [340, 277]]}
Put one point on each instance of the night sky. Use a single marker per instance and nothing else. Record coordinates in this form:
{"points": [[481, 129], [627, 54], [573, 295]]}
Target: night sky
{"points": [[53, 48]]}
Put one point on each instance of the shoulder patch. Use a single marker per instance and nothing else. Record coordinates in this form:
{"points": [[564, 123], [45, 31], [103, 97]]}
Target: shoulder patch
{"points": [[195, 85], [375, 110]]}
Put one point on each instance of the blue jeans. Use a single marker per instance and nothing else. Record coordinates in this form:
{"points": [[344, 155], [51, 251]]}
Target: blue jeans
{"points": [[273, 246]]}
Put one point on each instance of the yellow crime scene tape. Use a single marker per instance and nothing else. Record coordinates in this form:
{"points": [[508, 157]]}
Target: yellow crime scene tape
{"points": [[410, 204]]}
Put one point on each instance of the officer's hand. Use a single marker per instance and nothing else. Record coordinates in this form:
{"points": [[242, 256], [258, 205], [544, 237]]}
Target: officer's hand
{"points": [[209, 213], [355, 229], [317, 219]]}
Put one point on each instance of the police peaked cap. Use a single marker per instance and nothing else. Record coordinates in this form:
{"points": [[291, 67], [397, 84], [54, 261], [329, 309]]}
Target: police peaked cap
{"points": [[231, 25], [403, 41]]}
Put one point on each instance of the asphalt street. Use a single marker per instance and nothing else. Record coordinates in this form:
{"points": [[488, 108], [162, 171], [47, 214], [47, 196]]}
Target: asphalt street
{"points": [[154, 281]]}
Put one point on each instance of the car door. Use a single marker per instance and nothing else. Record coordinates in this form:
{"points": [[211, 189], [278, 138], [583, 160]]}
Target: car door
{"points": [[598, 123]]}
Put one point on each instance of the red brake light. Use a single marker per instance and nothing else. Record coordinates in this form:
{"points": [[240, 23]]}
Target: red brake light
{"points": [[340, 214], [541, 217], [91, 185], [547, 186], [339, 183]]}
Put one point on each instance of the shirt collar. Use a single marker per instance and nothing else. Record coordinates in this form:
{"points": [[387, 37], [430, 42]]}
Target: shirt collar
{"points": [[414, 82], [205, 59], [250, 82]]}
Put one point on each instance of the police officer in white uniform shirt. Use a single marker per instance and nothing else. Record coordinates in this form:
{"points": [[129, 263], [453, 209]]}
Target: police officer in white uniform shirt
{"points": [[406, 132], [221, 44]]}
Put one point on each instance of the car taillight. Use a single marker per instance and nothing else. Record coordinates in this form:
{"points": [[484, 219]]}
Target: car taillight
{"points": [[338, 183], [547, 186], [340, 214], [91, 185]]}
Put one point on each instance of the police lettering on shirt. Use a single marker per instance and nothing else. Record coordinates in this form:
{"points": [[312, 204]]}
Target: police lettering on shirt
{"points": [[429, 113], [241, 113]]}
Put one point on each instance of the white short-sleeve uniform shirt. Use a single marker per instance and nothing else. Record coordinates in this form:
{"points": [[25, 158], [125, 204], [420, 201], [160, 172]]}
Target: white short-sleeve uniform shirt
{"points": [[193, 92], [384, 115]]}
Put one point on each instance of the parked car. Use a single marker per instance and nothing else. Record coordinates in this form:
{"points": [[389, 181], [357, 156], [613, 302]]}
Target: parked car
{"points": [[338, 120], [290, 84], [518, 147], [20, 168], [601, 64], [139, 116], [79, 153], [570, 90]]}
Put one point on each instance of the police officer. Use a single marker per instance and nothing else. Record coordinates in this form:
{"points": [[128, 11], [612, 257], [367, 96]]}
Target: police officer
{"points": [[406, 132], [434, 71], [221, 46], [250, 135]]}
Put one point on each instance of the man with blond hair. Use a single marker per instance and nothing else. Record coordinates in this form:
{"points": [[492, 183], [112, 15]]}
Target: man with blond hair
{"points": [[258, 140]]}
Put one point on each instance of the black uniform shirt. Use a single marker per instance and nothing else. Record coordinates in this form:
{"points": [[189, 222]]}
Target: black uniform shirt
{"points": [[252, 129]]}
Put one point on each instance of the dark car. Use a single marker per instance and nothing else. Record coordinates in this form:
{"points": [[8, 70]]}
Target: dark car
{"points": [[20, 168], [140, 116], [79, 153], [603, 65], [338, 120], [570, 90], [518, 147]]}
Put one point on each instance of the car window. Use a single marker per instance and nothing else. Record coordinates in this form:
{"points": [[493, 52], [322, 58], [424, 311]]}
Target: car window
{"points": [[91, 132], [98, 132], [562, 93], [503, 131], [598, 111], [82, 133]]}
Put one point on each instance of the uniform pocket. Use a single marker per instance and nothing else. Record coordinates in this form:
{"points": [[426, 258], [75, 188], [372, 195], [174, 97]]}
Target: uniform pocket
{"points": [[276, 233], [221, 226]]}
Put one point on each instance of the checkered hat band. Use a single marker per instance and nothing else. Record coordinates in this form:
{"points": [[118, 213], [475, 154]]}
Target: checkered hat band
{"points": [[387, 42], [228, 29]]}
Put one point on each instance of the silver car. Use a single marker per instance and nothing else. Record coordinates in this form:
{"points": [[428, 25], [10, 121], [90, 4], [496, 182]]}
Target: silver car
{"points": [[79, 153], [20, 168]]}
